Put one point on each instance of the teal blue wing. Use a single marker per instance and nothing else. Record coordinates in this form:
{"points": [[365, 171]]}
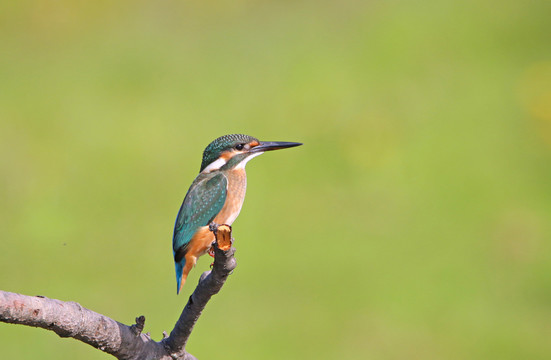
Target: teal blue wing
{"points": [[204, 200]]}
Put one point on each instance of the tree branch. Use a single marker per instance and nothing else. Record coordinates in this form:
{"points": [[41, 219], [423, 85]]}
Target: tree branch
{"points": [[209, 285], [70, 319]]}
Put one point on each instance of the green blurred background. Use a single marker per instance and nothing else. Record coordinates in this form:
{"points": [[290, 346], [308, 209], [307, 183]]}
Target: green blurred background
{"points": [[413, 224]]}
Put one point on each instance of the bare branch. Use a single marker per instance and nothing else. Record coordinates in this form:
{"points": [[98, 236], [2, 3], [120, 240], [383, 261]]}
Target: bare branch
{"points": [[70, 319]]}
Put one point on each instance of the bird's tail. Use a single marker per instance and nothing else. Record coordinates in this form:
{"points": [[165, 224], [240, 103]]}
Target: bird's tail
{"points": [[179, 271]]}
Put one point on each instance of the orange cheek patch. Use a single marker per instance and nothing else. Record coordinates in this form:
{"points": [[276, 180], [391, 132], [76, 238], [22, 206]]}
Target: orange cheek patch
{"points": [[226, 155]]}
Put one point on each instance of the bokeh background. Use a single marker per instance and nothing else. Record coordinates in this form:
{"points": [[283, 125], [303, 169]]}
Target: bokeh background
{"points": [[413, 224]]}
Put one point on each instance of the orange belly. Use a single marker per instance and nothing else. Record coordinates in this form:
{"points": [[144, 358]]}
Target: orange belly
{"points": [[237, 186]]}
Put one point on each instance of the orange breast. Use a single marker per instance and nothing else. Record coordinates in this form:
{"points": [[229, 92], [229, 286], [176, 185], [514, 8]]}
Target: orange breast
{"points": [[237, 186]]}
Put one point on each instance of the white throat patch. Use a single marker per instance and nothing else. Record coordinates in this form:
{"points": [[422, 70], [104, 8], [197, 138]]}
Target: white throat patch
{"points": [[215, 165], [242, 164]]}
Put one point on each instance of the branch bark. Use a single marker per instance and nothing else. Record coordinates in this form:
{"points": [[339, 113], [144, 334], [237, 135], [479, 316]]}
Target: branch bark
{"points": [[70, 319]]}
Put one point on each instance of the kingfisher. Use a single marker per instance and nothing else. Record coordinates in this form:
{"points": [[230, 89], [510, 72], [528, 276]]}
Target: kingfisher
{"points": [[215, 196]]}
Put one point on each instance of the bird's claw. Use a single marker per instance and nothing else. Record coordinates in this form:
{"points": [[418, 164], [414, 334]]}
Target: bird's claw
{"points": [[213, 227]]}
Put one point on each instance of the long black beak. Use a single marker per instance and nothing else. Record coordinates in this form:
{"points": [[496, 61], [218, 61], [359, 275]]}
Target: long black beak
{"points": [[274, 145]]}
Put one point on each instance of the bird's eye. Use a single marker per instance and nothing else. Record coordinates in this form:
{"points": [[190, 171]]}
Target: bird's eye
{"points": [[239, 146]]}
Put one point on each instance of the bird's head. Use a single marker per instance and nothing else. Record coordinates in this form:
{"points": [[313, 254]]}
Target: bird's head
{"points": [[235, 150]]}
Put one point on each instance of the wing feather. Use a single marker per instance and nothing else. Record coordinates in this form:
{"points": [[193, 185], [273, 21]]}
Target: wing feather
{"points": [[204, 200]]}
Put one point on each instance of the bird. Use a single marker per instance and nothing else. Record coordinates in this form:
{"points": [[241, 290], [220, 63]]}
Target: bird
{"points": [[214, 197]]}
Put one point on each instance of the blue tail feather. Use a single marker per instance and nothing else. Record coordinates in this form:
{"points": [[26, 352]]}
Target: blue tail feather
{"points": [[179, 270]]}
